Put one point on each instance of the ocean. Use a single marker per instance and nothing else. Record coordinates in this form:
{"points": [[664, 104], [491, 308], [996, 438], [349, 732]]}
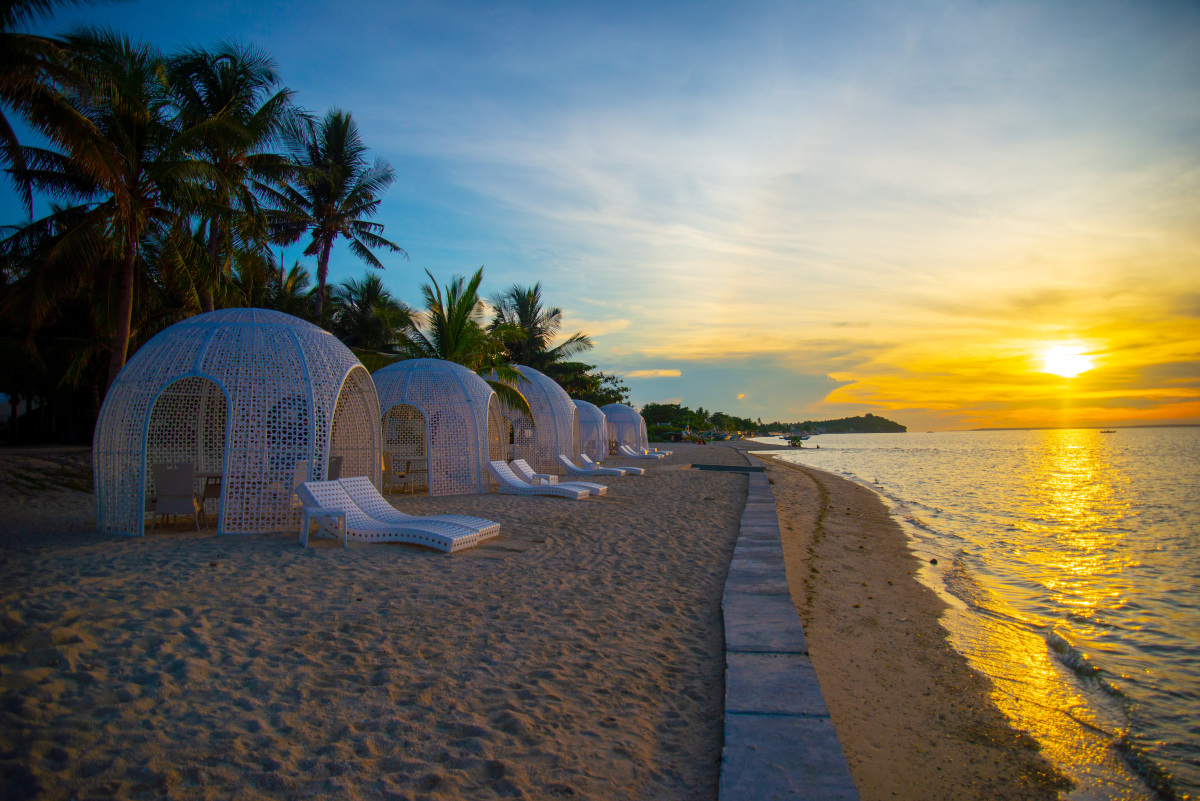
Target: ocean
{"points": [[1071, 561]]}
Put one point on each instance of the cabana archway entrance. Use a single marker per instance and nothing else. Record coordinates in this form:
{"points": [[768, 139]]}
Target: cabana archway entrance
{"points": [[406, 440], [353, 436], [188, 424]]}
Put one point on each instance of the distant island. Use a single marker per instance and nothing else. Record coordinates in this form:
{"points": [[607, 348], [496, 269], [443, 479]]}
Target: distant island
{"points": [[666, 420], [866, 424]]}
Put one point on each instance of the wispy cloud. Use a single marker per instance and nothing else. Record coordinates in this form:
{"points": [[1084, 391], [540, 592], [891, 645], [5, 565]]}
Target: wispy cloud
{"points": [[653, 374]]}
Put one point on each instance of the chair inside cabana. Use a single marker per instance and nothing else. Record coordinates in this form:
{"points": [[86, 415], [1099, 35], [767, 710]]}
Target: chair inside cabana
{"points": [[406, 442], [189, 425]]}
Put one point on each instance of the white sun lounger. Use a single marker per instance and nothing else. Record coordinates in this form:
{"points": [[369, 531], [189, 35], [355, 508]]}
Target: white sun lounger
{"points": [[587, 465], [630, 453], [571, 469], [511, 484], [363, 492], [525, 472], [323, 499]]}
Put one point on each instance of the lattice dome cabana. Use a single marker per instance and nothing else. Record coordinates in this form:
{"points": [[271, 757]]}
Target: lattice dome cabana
{"points": [[253, 397], [593, 432], [437, 418], [625, 427], [555, 424]]}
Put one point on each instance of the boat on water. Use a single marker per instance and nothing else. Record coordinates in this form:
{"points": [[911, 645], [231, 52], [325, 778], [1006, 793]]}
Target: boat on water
{"points": [[1108, 431]]}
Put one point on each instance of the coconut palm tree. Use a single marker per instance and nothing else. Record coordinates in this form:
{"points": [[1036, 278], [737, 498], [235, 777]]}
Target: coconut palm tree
{"points": [[34, 71], [132, 171], [519, 310], [366, 315], [451, 328], [237, 84], [335, 190]]}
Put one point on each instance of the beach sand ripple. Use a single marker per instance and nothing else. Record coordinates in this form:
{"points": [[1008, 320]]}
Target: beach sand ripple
{"points": [[577, 655]]}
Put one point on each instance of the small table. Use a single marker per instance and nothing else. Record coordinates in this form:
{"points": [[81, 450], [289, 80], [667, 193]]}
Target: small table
{"points": [[309, 515], [544, 478]]}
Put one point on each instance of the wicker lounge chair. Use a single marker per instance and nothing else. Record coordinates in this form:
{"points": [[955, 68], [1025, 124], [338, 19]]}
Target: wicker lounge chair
{"points": [[325, 499], [363, 492], [630, 453], [588, 465], [572, 470], [522, 469], [511, 484]]}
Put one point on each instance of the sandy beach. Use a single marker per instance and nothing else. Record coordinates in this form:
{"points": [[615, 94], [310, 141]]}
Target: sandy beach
{"points": [[915, 720], [577, 655]]}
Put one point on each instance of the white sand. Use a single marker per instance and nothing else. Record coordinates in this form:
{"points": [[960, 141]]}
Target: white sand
{"points": [[578, 655]]}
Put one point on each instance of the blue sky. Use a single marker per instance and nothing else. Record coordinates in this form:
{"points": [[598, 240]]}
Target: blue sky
{"points": [[786, 210]]}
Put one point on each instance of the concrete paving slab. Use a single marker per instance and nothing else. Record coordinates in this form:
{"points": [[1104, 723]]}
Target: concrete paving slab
{"points": [[776, 757], [762, 622], [758, 583], [772, 684]]}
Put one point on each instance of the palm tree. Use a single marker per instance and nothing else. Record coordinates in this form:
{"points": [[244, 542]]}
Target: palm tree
{"points": [[519, 309], [293, 294], [453, 330], [33, 72], [236, 84], [334, 193], [367, 316], [132, 170]]}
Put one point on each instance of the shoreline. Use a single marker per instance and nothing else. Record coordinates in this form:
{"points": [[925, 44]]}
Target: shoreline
{"points": [[915, 720], [578, 655]]}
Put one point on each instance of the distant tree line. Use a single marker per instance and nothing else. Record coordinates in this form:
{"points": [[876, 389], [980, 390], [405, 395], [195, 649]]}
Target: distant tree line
{"points": [[663, 417], [170, 178]]}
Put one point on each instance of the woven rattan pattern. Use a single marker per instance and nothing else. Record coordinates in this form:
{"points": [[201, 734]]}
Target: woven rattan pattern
{"points": [[555, 427], [439, 410], [625, 427], [248, 393]]}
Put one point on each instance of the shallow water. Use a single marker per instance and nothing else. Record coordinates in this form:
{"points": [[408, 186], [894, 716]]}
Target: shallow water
{"points": [[1072, 559]]}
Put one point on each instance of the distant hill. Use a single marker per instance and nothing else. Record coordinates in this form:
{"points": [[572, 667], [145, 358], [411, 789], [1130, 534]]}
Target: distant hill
{"points": [[866, 424]]}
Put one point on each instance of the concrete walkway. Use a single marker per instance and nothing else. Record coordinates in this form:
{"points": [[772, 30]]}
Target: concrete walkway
{"points": [[779, 741]]}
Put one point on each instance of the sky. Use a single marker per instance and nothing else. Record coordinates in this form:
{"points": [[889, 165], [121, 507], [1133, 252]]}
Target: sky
{"points": [[786, 210]]}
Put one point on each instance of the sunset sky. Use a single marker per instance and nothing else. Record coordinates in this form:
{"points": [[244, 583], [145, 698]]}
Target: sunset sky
{"points": [[787, 210]]}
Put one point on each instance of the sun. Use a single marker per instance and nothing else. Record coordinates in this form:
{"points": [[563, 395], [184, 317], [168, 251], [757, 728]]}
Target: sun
{"points": [[1066, 360]]}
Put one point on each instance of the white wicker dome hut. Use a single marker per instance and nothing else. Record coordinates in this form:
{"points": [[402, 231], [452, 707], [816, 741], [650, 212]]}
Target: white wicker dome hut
{"points": [[625, 427], [438, 415], [555, 425], [257, 397], [593, 432]]}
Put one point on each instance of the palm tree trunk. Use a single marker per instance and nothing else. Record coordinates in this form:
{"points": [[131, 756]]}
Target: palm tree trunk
{"points": [[322, 274], [206, 293], [120, 338]]}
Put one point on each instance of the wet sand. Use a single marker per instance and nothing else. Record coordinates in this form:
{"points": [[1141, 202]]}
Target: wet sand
{"points": [[915, 720]]}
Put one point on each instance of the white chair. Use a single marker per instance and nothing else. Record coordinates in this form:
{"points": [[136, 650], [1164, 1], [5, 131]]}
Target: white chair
{"points": [[363, 492], [630, 453], [326, 499], [522, 469], [393, 479], [174, 492], [525, 472], [510, 484], [586, 462], [571, 469]]}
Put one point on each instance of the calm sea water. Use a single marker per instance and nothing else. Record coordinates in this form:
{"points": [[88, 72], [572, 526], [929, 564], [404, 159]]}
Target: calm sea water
{"points": [[1071, 559]]}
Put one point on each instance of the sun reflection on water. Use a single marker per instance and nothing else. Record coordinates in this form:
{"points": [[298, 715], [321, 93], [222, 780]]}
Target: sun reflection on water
{"points": [[1071, 561], [1070, 511]]}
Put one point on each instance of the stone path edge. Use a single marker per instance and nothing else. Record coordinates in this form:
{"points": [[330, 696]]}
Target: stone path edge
{"points": [[779, 740]]}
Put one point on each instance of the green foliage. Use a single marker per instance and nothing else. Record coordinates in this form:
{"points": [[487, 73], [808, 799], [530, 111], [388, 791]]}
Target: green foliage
{"points": [[334, 192]]}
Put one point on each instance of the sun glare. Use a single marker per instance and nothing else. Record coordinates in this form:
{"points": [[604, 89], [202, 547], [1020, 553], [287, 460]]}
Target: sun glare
{"points": [[1066, 360]]}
